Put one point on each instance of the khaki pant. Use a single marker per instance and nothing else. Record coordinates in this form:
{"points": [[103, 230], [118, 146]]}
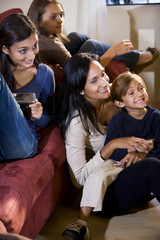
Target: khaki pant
{"points": [[96, 185]]}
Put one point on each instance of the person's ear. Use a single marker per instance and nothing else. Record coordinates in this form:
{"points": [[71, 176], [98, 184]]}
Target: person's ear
{"points": [[82, 92], [5, 50], [119, 104]]}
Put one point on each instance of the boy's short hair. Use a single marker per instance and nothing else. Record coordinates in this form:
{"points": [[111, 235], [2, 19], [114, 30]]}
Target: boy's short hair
{"points": [[121, 84]]}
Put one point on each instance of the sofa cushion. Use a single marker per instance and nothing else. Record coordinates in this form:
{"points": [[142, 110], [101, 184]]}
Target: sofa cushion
{"points": [[52, 144], [22, 182], [114, 68], [58, 71]]}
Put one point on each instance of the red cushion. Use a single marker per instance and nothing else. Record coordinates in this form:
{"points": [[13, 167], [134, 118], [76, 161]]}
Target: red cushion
{"points": [[52, 144], [22, 182], [114, 68], [58, 71]]}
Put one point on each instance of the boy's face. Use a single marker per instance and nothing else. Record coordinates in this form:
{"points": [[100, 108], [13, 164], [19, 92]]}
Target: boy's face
{"points": [[136, 96]]}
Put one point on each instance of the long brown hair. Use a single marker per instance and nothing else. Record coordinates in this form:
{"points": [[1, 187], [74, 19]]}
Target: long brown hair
{"points": [[37, 9]]}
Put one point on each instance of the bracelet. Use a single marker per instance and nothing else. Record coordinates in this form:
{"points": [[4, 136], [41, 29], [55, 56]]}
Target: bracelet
{"points": [[101, 156]]}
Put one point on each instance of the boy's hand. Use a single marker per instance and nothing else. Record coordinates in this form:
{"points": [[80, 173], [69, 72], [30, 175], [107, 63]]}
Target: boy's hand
{"points": [[131, 158]]}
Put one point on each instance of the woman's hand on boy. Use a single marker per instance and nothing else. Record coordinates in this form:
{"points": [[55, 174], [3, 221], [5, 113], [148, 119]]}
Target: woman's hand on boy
{"points": [[141, 145]]}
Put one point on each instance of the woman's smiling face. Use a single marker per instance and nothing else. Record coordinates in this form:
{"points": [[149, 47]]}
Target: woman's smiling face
{"points": [[97, 83], [22, 54]]}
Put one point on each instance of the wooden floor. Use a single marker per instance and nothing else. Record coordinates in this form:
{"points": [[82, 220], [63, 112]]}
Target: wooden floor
{"points": [[140, 224]]}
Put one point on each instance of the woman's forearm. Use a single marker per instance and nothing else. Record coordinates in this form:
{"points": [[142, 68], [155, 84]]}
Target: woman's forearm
{"points": [[132, 144], [107, 57], [108, 149]]}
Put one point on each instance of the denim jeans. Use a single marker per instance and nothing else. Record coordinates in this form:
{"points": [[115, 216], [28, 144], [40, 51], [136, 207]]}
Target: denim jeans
{"points": [[16, 139], [82, 43]]}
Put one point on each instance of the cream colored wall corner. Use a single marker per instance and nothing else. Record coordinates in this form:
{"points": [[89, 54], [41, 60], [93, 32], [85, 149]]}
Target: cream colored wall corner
{"points": [[145, 31], [142, 25]]}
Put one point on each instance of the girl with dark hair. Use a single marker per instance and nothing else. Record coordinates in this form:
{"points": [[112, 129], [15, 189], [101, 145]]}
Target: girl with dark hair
{"points": [[86, 110], [55, 48], [21, 74]]}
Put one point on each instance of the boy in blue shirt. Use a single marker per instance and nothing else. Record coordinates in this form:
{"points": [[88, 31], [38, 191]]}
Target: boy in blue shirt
{"points": [[135, 118]]}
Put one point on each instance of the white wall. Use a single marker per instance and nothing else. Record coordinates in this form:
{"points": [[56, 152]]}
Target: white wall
{"points": [[7, 4], [71, 13]]}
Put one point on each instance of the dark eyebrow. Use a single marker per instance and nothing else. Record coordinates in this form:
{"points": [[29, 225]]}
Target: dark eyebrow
{"points": [[24, 47], [130, 88], [93, 78], [55, 13], [140, 83]]}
